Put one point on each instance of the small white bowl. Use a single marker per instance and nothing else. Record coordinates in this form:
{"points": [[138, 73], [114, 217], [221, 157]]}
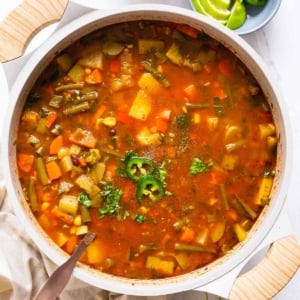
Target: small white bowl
{"points": [[257, 16]]}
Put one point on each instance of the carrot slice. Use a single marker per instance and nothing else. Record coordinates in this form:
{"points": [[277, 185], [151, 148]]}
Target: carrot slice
{"points": [[71, 243], [56, 145], [53, 170], [94, 77], [188, 234], [50, 119], [25, 161]]}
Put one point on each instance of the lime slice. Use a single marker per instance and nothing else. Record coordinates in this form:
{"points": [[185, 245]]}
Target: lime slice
{"points": [[213, 10], [199, 8], [238, 15]]}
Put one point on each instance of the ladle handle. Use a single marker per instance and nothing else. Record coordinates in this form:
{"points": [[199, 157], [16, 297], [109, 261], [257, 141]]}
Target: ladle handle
{"points": [[275, 270], [17, 30]]}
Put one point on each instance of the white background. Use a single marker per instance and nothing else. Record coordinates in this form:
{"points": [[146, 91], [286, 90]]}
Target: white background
{"points": [[279, 45]]}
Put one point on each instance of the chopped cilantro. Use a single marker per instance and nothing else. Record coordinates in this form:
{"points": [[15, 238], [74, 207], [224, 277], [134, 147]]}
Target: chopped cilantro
{"points": [[112, 197], [84, 200], [140, 218], [198, 166]]}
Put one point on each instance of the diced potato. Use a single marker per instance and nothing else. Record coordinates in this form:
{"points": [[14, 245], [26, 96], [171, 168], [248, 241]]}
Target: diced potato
{"points": [[147, 45], [44, 221], [266, 130], [217, 231], [232, 133], [60, 239], [68, 204], [148, 138], [229, 162], [93, 60], [141, 106], [94, 252], [76, 73], [158, 264], [240, 232], [264, 191], [148, 83]]}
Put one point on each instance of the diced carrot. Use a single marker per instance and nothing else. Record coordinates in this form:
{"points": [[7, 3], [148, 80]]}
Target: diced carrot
{"points": [[232, 214], [66, 218], [165, 114], [123, 117], [188, 30], [94, 77], [50, 119], [161, 124], [191, 91], [82, 161], [83, 138], [71, 243], [98, 113], [25, 162], [53, 170], [225, 67], [187, 234], [114, 65], [165, 239], [56, 145]]}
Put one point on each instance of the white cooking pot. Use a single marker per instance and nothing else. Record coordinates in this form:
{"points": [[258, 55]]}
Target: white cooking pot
{"points": [[220, 277]]}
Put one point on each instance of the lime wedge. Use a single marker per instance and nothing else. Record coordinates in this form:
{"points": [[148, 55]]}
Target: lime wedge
{"points": [[213, 10], [222, 4], [238, 15]]}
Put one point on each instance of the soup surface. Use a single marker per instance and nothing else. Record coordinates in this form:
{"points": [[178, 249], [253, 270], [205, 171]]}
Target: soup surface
{"points": [[155, 137]]}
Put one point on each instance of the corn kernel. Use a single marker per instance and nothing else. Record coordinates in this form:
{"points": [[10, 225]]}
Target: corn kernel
{"points": [[77, 221], [109, 121], [45, 205]]}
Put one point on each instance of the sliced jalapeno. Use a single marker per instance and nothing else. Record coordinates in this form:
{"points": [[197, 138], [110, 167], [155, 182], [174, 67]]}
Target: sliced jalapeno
{"points": [[150, 187], [137, 167]]}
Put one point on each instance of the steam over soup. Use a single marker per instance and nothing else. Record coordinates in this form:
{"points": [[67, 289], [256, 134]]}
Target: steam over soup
{"points": [[155, 137]]}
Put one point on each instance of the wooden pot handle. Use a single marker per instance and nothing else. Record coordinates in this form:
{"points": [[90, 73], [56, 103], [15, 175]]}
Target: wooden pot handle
{"points": [[274, 271], [17, 30]]}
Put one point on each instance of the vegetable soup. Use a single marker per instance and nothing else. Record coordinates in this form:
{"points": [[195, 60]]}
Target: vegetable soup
{"points": [[154, 136]]}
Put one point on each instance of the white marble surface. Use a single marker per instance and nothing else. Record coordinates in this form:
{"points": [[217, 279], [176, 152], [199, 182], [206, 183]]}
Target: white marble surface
{"points": [[279, 45]]}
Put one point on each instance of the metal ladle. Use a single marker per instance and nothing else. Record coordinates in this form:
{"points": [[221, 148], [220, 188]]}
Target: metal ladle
{"points": [[60, 277]]}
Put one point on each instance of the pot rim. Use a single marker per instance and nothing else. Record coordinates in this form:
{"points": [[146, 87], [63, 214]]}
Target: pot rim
{"points": [[232, 41]]}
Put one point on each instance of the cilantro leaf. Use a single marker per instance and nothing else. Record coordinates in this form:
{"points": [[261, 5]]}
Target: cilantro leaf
{"points": [[84, 200], [198, 166], [112, 197]]}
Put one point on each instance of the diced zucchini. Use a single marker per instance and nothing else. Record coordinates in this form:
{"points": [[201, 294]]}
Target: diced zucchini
{"points": [[175, 54], [264, 191], [147, 45], [93, 60], [66, 163], [148, 83], [64, 62], [76, 73], [97, 172], [161, 265], [68, 204], [141, 106]]}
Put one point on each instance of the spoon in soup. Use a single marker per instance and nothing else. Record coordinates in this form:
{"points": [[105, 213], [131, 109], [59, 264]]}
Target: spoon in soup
{"points": [[60, 277]]}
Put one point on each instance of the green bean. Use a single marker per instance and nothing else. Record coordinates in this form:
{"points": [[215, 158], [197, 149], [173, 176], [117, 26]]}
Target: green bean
{"points": [[202, 105], [41, 170], [77, 108], [158, 75], [56, 101], [224, 196], [93, 95], [193, 248], [252, 214], [85, 214], [70, 86], [32, 195]]}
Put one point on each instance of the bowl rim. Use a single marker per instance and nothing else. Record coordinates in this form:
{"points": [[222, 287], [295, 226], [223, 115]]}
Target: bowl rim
{"points": [[91, 21]]}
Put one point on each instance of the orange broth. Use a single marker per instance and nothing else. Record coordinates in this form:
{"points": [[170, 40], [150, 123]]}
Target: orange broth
{"points": [[155, 137]]}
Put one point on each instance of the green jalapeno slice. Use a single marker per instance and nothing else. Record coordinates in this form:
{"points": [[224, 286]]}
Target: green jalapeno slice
{"points": [[150, 187], [137, 167]]}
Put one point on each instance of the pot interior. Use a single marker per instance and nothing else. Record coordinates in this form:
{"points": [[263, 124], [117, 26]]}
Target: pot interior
{"points": [[99, 19]]}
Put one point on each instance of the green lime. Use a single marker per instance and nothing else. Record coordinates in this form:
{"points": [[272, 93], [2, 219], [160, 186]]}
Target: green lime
{"points": [[222, 4], [199, 8], [213, 10], [238, 15]]}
